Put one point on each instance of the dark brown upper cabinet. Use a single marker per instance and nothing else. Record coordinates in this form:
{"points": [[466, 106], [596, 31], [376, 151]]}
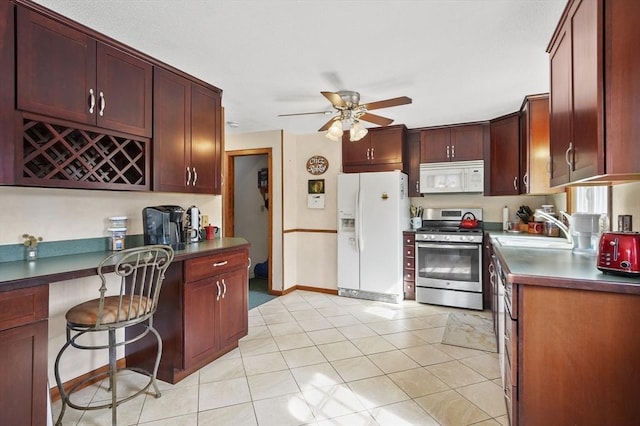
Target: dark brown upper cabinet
{"points": [[455, 143], [382, 149], [65, 73], [187, 135], [594, 55], [503, 167]]}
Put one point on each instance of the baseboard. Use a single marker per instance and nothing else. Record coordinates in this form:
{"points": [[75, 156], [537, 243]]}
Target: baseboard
{"points": [[55, 392], [305, 288]]}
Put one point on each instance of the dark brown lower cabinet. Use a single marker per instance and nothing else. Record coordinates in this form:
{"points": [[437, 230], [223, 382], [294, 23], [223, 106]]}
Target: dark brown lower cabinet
{"points": [[203, 312], [573, 357], [23, 356], [409, 265]]}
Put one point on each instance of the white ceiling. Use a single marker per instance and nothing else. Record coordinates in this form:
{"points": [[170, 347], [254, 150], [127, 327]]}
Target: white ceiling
{"points": [[459, 60]]}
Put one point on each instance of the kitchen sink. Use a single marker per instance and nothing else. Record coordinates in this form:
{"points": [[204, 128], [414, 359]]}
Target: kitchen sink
{"points": [[534, 241]]}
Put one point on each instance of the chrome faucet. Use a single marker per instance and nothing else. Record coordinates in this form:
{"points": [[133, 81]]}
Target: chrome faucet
{"points": [[556, 222]]}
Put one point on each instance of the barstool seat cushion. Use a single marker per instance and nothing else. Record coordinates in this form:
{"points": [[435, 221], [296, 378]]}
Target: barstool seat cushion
{"points": [[86, 314]]}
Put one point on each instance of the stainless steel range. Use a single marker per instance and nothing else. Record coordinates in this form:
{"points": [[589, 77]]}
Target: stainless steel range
{"points": [[449, 258]]}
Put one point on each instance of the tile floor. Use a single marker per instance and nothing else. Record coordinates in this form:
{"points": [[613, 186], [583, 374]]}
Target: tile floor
{"points": [[318, 359]]}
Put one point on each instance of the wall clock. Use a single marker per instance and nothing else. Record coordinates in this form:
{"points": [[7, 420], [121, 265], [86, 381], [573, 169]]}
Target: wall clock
{"points": [[317, 165]]}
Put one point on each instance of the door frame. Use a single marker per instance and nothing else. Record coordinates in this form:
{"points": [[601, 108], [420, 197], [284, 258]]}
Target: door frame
{"points": [[228, 200]]}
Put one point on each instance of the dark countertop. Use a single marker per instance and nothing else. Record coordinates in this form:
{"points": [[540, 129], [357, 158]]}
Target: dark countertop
{"points": [[22, 274], [559, 268]]}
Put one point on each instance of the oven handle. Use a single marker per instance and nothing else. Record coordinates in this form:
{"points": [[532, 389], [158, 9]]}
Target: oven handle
{"points": [[449, 246]]}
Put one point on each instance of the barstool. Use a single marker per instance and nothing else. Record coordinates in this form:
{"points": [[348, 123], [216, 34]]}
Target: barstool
{"points": [[141, 271]]}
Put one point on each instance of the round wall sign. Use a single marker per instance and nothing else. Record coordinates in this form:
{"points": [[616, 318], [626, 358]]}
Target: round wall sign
{"points": [[317, 165]]}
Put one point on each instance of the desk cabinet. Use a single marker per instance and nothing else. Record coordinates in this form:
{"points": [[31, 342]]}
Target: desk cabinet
{"points": [[23, 356]]}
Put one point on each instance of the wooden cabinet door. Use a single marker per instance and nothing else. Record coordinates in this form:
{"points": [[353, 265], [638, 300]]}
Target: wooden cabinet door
{"points": [[232, 307], [435, 145], [386, 146], [124, 85], [56, 69], [23, 368], [560, 108], [200, 306], [205, 140], [534, 147], [466, 142], [504, 161], [171, 131], [355, 153], [413, 157]]}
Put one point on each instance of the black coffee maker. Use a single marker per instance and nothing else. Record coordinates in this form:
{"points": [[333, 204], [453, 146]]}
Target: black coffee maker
{"points": [[163, 225]]}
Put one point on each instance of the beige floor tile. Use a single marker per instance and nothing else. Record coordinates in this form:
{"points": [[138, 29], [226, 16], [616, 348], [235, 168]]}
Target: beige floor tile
{"points": [[418, 382], [128, 413], [437, 320], [256, 320], [254, 312], [427, 355], [303, 356], [343, 320], [174, 402], [415, 323], [458, 352], [332, 401], [405, 413], [377, 391], [387, 327], [356, 368], [486, 395], [270, 385], [317, 375], [222, 369], [356, 331], [257, 332], [264, 363], [430, 335], [278, 318], [490, 422], [331, 311], [186, 420], [272, 307], [314, 324], [339, 350], [237, 415], [306, 314], [404, 339], [392, 361], [222, 394], [286, 410], [362, 418], [293, 341], [451, 408], [285, 329], [330, 335], [300, 305], [484, 364], [257, 346], [503, 420], [455, 374], [372, 345]]}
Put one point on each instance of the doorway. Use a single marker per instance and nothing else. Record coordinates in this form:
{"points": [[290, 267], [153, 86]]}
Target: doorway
{"points": [[248, 186]]}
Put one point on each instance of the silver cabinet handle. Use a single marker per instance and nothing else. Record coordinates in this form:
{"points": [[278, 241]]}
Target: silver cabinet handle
{"points": [[418, 186], [372, 152], [525, 180], [224, 262], [515, 183], [92, 101], [448, 151], [224, 288], [368, 156], [102, 104], [453, 151], [218, 285], [566, 154], [188, 176], [195, 176]]}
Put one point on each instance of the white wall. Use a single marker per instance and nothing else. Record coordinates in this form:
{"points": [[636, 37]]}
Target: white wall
{"points": [[251, 217]]}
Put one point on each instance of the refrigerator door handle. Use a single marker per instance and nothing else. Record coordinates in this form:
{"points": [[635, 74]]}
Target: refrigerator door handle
{"points": [[359, 242]]}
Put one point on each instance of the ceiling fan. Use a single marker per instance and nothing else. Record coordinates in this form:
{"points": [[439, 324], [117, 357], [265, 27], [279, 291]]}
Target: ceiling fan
{"points": [[350, 111]]}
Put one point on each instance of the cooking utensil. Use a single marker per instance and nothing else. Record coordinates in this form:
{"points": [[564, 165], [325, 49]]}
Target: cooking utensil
{"points": [[469, 221]]}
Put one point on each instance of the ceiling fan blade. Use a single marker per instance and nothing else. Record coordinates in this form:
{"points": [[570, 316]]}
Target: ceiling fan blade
{"points": [[306, 113], [402, 100], [376, 119], [327, 125], [335, 99]]}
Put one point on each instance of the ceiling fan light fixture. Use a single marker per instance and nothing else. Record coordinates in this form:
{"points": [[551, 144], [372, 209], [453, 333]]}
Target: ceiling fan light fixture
{"points": [[357, 131], [335, 131]]}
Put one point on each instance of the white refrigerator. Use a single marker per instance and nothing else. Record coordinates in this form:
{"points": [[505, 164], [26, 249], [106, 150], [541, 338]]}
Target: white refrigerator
{"points": [[373, 210]]}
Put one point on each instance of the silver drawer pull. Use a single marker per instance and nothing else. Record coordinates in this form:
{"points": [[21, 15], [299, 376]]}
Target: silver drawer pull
{"points": [[218, 295], [220, 263], [224, 288], [92, 101]]}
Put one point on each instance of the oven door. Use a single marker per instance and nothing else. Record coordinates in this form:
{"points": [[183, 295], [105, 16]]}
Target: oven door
{"points": [[453, 266]]}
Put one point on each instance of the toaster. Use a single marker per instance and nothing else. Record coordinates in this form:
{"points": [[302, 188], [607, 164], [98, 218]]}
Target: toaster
{"points": [[619, 253]]}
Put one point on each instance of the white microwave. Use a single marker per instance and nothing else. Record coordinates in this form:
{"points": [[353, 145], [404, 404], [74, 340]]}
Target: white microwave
{"points": [[451, 177]]}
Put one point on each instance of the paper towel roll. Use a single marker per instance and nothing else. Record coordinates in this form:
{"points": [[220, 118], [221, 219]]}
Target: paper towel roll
{"points": [[505, 218]]}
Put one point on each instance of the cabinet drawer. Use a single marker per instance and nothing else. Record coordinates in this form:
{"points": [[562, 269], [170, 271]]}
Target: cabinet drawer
{"points": [[409, 263], [409, 238], [24, 306], [207, 266], [409, 275], [409, 251]]}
